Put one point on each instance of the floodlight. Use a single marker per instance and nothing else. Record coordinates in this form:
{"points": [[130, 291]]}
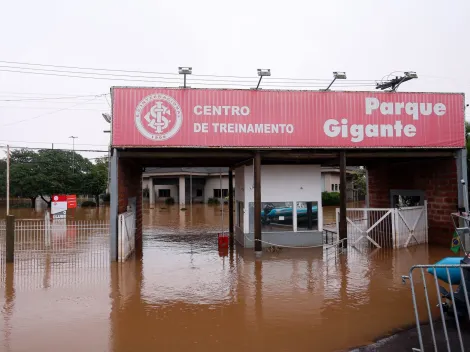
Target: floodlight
{"points": [[107, 117], [185, 70], [264, 72], [339, 75]]}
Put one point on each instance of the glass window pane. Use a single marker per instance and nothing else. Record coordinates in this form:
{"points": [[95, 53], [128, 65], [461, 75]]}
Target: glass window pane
{"points": [[307, 216], [275, 217]]}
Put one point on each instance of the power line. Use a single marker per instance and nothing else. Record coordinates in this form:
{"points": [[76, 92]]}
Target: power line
{"points": [[54, 98], [55, 143], [64, 150], [47, 113], [150, 73]]}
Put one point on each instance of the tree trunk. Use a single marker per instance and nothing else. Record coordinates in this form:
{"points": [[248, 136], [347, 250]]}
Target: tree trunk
{"points": [[97, 198], [33, 202], [47, 202]]}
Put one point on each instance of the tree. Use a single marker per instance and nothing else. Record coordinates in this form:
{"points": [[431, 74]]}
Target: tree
{"points": [[3, 178], [46, 172], [359, 181], [96, 180], [23, 174]]}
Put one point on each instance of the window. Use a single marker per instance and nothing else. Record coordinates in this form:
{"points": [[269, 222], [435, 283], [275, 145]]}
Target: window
{"points": [[307, 216], [334, 187], [199, 193], [164, 193], [219, 194], [275, 217]]}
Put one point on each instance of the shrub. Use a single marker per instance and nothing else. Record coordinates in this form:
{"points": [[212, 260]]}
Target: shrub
{"points": [[88, 203], [330, 198], [213, 201], [106, 197], [170, 201]]}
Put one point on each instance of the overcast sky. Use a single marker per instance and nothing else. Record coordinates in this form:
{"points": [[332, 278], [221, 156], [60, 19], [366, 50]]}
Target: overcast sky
{"points": [[295, 39]]}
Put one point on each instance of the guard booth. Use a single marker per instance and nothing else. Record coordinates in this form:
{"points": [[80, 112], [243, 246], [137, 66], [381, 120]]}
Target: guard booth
{"points": [[410, 143]]}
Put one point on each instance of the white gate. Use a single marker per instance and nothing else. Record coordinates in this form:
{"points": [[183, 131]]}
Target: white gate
{"points": [[386, 227], [411, 225], [126, 235]]}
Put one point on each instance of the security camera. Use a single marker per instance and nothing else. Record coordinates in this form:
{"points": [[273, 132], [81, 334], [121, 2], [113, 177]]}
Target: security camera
{"points": [[462, 181]]}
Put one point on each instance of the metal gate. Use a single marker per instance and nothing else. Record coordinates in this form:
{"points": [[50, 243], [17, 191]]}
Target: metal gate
{"points": [[386, 227]]}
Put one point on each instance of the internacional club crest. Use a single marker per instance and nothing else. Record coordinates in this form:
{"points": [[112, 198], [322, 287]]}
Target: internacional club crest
{"points": [[158, 117]]}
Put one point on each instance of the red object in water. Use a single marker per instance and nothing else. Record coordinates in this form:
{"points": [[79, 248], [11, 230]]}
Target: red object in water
{"points": [[223, 240]]}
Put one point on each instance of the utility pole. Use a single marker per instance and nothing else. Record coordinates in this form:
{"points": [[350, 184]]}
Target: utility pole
{"points": [[8, 180], [73, 155]]}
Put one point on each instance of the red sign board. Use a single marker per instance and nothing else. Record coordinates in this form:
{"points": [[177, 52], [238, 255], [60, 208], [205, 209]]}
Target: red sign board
{"points": [[59, 198], [156, 117], [71, 201]]}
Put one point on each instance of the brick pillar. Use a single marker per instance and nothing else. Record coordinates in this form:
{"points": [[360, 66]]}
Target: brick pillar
{"points": [[437, 177], [129, 186]]}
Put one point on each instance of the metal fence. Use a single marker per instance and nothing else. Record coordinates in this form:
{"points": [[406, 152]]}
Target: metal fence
{"points": [[386, 227], [442, 311], [66, 243]]}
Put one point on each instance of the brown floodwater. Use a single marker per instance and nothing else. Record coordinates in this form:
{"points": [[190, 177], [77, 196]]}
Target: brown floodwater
{"points": [[186, 295]]}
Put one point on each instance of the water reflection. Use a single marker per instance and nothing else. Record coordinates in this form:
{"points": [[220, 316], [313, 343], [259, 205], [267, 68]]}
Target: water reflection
{"points": [[185, 294]]}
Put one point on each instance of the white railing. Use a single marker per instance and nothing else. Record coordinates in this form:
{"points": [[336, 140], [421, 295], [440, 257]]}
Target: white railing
{"points": [[81, 243], [386, 227], [126, 235]]}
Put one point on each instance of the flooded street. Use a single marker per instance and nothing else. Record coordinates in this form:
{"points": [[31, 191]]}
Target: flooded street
{"points": [[186, 295]]}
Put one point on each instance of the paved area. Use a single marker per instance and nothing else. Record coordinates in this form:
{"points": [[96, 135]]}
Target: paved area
{"points": [[406, 340]]}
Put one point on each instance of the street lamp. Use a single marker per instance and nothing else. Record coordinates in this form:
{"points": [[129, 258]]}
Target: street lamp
{"points": [[262, 73], [336, 75], [73, 155], [185, 71]]}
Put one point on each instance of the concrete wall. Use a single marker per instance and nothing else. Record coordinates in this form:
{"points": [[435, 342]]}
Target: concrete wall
{"points": [[436, 177], [173, 192], [213, 182], [280, 183]]}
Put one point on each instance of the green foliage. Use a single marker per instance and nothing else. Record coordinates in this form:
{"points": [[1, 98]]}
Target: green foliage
{"points": [[50, 171], [213, 201], [106, 197], [170, 201], [96, 179], [3, 176], [330, 198], [359, 181]]}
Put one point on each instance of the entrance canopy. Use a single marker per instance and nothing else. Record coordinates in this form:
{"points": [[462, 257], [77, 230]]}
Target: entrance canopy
{"points": [[225, 118]]}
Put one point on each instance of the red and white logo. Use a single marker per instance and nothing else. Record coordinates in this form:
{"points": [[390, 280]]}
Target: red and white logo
{"points": [[158, 117]]}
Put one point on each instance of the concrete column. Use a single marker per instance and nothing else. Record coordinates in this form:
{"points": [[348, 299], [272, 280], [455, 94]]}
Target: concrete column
{"points": [[182, 191], [113, 208], [151, 193]]}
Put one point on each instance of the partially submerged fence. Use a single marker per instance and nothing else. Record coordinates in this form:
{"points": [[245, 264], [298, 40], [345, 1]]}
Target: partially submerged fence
{"points": [[75, 243], [386, 227]]}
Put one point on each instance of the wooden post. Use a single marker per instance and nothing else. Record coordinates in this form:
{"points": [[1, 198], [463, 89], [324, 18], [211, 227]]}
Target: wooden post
{"points": [[257, 199], [10, 239], [230, 206], [343, 227]]}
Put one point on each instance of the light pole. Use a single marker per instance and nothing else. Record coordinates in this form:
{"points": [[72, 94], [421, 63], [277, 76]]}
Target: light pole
{"points": [[73, 155]]}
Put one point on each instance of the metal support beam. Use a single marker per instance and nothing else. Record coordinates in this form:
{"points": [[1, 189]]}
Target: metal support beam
{"points": [[113, 207], [230, 207], [343, 227], [257, 200], [10, 239]]}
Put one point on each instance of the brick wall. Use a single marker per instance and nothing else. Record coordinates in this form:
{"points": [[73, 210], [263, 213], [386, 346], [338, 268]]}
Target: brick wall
{"points": [[130, 185], [436, 177]]}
